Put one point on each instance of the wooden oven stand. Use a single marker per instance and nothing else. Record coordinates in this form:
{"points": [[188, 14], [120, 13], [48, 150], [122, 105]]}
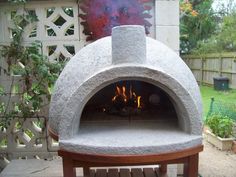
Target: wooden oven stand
{"points": [[189, 157]]}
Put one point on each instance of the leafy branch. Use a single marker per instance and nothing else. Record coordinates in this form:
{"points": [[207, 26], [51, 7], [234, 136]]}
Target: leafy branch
{"points": [[37, 74]]}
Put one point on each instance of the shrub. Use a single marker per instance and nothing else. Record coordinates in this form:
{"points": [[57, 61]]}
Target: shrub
{"points": [[221, 126]]}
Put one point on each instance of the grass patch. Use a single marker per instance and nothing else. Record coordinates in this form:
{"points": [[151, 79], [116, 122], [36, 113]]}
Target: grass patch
{"points": [[209, 92]]}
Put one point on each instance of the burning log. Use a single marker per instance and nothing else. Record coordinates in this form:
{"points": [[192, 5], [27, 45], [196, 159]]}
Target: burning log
{"points": [[124, 103]]}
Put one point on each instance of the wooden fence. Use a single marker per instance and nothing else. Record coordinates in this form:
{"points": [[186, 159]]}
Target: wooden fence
{"points": [[206, 67]]}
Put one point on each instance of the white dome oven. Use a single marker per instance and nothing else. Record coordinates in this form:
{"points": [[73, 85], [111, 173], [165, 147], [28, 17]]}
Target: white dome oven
{"points": [[126, 97]]}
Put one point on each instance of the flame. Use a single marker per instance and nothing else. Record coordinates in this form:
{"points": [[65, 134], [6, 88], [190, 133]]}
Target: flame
{"points": [[139, 101], [124, 94], [114, 98], [121, 92], [118, 90]]}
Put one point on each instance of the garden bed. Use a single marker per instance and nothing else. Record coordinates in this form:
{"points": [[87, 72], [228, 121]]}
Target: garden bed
{"points": [[224, 144]]}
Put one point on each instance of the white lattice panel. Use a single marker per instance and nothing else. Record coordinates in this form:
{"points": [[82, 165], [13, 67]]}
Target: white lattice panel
{"points": [[57, 26], [25, 138]]}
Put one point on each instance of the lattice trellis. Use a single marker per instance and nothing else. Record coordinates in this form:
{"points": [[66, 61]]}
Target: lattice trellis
{"points": [[26, 139], [23, 138], [57, 27]]}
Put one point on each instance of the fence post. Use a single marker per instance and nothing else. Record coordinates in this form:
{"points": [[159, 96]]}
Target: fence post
{"points": [[202, 70], [233, 74], [221, 62]]}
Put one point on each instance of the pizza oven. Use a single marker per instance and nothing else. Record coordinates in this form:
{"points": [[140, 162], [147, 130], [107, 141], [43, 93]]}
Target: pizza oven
{"points": [[126, 94]]}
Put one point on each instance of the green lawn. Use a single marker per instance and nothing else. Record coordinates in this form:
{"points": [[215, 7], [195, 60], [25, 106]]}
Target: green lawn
{"points": [[209, 92]]}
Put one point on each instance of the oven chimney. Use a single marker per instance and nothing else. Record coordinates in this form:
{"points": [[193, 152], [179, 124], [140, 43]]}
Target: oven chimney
{"points": [[128, 44]]}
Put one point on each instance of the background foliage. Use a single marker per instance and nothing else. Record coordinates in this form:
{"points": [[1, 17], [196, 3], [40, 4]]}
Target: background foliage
{"points": [[211, 30], [197, 28], [224, 40]]}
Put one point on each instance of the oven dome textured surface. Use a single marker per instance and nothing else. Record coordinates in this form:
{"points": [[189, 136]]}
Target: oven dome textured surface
{"points": [[91, 69]]}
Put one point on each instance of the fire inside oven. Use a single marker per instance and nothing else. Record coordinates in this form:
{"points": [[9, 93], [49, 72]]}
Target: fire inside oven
{"points": [[131, 100]]}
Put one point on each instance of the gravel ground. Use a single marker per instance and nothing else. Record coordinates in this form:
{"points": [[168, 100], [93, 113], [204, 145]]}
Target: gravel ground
{"points": [[216, 163]]}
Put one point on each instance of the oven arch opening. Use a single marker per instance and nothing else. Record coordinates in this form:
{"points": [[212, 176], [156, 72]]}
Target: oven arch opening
{"points": [[130, 102]]}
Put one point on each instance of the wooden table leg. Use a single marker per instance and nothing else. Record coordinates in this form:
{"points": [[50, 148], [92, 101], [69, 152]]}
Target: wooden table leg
{"points": [[68, 168], [86, 171], [163, 170], [191, 166]]}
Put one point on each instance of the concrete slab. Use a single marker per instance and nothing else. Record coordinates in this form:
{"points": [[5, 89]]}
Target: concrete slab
{"points": [[53, 168], [34, 168]]}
